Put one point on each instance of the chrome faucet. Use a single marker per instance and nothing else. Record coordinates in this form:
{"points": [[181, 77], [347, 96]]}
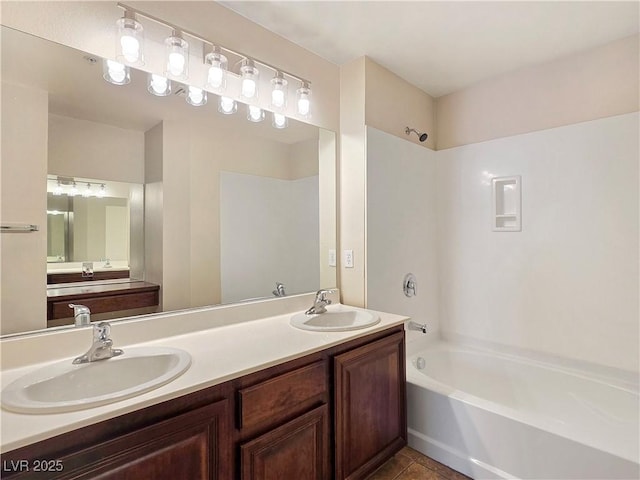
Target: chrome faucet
{"points": [[81, 314], [101, 348], [279, 291], [320, 303]]}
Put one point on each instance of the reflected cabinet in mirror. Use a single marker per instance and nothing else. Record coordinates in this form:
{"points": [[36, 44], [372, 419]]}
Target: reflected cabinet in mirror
{"points": [[135, 191]]}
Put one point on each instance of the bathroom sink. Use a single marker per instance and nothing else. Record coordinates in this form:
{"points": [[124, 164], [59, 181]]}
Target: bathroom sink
{"points": [[337, 318], [65, 387]]}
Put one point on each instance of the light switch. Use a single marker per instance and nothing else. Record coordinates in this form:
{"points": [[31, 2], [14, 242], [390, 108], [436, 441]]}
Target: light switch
{"points": [[332, 257], [348, 258]]}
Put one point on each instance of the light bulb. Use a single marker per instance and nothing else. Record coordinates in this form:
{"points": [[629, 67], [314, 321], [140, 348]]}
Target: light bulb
{"points": [[227, 106], [279, 120], [87, 191], [196, 96], [216, 77], [278, 92], [73, 191], [131, 38], [116, 72], [159, 85], [250, 76], [58, 189], [102, 192], [304, 100], [177, 55], [256, 114]]}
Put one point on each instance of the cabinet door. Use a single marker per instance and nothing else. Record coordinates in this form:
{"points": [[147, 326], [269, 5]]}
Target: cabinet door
{"points": [[370, 407], [297, 450], [188, 446]]}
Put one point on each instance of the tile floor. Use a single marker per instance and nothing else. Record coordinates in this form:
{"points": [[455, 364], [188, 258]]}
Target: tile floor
{"points": [[408, 464]]}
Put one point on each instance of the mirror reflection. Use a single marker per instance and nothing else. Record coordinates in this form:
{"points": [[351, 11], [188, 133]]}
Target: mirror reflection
{"points": [[212, 209]]}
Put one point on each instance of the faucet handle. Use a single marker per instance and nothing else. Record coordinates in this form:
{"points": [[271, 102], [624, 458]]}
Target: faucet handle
{"points": [[321, 294], [102, 331]]}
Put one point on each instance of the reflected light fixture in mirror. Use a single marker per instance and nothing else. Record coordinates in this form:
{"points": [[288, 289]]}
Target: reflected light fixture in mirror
{"points": [[255, 114], [115, 72], [227, 106], [196, 96], [130, 42], [279, 121], [158, 85]]}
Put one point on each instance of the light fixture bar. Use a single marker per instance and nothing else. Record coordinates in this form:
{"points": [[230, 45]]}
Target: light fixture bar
{"points": [[209, 42]]}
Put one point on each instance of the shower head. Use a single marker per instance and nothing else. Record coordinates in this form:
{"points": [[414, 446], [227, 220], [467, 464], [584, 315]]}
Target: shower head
{"points": [[421, 136]]}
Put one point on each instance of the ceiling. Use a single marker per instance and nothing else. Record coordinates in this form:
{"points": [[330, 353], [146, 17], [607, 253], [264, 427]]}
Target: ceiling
{"points": [[444, 46]]}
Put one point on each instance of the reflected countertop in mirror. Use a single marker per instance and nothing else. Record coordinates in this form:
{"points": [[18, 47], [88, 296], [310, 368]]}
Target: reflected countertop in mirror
{"points": [[225, 209]]}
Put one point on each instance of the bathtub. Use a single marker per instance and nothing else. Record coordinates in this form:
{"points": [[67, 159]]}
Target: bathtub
{"points": [[493, 415]]}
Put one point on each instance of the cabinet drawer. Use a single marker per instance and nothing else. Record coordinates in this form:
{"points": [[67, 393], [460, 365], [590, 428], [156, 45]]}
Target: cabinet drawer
{"points": [[282, 396]]}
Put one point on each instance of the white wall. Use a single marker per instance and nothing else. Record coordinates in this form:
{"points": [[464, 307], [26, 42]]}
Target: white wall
{"points": [[263, 220], [567, 284], [401, 226]]}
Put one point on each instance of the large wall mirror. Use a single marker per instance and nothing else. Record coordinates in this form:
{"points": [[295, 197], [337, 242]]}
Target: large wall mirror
{"points": [[216, 209]]}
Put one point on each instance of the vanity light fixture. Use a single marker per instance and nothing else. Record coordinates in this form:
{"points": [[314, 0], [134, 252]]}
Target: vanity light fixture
{"points": [[130, 39], [255, 114], [227, 106], [304, 100], [86, 193], [102, 191], [158, 85], [279, 121], [115, 72], [177, 56], [279, 92], [217, 73], [196, 96], [250, 77]]}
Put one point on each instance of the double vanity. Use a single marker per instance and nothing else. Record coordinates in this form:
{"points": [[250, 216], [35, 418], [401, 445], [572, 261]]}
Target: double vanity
{"points": [[261, 390]]}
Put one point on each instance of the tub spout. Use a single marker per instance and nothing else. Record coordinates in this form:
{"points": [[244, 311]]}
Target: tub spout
{"points": [[422, 327]]}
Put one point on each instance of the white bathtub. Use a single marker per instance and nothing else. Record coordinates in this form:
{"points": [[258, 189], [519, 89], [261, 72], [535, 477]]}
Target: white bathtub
{"points": [[491, 415]]}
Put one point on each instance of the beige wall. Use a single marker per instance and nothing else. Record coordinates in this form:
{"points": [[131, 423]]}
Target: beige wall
{"points": [[598, 83], [90, 26], [79, 148], [23, 199], [392, 104]]}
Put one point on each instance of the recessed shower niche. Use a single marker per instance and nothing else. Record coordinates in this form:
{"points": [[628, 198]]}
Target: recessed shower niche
{"points": [[506, 201]]}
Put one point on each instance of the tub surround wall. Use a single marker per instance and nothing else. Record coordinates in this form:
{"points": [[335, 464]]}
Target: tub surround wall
{"points": [[567, 284], [401, 226], [597, 83]]}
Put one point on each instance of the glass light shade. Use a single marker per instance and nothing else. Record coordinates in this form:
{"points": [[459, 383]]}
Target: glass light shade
{"points": [[279, 92], [250, 77], [255, 114], [158, 85], [86, 192], [102, 191], [57, 190], [196, 96], [279, 121], [304, 100], [115, 72], [130, 44], [217, 76], [227, 106], [177, 57]]}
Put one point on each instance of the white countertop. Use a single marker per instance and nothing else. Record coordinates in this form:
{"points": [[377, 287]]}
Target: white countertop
{"points": [[218, 354]]}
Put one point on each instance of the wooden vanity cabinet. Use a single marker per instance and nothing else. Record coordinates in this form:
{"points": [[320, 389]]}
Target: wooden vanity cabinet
{"points": [[338, 413]]}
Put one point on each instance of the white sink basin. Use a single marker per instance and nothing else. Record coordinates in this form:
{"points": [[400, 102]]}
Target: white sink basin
{"points": [[337, 318], [64, 387]]}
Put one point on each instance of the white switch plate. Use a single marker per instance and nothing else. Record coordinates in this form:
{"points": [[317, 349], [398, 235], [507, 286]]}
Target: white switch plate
{"points": [[348, 258], [332, 257]]}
